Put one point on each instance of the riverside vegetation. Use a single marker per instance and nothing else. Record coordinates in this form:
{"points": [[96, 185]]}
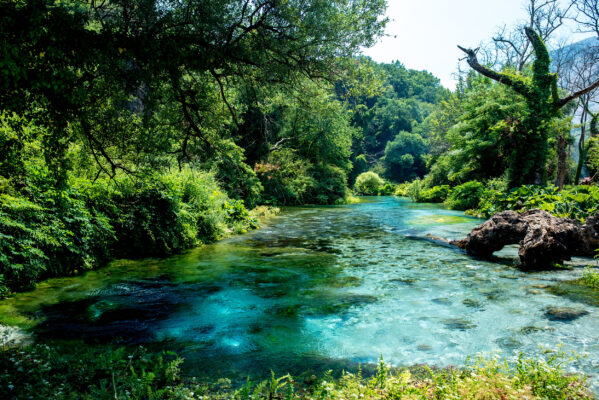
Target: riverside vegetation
{"points": [[108, 373], [134, 129]]}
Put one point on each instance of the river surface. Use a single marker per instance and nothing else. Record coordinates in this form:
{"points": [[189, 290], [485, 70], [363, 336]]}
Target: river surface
{"points": [[319, 288]]}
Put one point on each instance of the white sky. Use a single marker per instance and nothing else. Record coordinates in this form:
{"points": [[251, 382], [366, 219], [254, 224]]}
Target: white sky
{"points": [[423, 34]]}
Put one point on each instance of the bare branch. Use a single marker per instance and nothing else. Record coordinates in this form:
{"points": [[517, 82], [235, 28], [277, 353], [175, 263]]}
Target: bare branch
{"points": [[575, 95], [278, 144]]}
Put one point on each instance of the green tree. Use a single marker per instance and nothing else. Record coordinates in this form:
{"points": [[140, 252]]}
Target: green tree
{"points": [[529, 155], [73, 65], [404, 157]]}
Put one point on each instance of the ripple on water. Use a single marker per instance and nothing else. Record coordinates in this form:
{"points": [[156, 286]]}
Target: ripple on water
{"points": [[323, 287]]}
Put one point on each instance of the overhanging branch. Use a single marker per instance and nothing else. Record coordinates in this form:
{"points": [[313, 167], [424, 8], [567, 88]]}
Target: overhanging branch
{"points": [[496, 76]]}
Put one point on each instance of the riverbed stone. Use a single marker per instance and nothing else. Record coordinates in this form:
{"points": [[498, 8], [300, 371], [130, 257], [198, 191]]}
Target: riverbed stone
{"points": [[458, 324], [564, 314], [544, 240]]}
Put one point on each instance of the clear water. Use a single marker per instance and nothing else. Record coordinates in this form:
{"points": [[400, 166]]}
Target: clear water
{"points": [[319, 288]]}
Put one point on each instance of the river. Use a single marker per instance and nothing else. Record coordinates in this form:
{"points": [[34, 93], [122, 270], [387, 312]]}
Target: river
{"points": [[319, 288]]}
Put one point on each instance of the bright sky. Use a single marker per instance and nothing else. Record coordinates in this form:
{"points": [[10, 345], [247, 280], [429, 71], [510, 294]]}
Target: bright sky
{"points": [[424, 33]]}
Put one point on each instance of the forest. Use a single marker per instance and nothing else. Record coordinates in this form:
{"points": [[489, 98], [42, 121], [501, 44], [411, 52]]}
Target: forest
{"points": [[141, 130]]}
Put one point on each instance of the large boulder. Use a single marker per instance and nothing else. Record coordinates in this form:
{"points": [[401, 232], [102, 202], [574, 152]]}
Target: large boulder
{"points": [[543, 238]]}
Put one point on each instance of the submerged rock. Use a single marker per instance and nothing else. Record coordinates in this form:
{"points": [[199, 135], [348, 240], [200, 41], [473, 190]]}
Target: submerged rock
{"points": [[458, 324], [564, 314], [472, 303], [531, 329], [509, 343], [544, 239], [443, 301]]}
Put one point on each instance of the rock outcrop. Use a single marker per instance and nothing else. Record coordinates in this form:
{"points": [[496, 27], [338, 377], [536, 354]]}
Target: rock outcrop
{"points": [[543, 238]]}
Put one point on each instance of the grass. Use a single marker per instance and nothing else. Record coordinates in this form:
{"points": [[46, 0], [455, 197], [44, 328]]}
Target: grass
{"points": [[100, 372]]}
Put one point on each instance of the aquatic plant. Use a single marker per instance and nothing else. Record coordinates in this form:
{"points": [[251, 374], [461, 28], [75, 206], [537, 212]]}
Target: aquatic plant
{"points": [[590, 278]]}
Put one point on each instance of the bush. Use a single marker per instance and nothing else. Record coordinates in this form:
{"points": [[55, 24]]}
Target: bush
{"points": [[56, 235], [285, 178], [387, 189], [368, 184], [577, 202], [46, 233], [436, 194], [402, 190], [163, 214], [465, 196], [290, 180], [590, 278], [237, 179], [420, 193], [44, 372], [489, 204]]}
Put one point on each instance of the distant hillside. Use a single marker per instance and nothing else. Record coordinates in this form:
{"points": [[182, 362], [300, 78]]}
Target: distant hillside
{"points": [[569, 52]]}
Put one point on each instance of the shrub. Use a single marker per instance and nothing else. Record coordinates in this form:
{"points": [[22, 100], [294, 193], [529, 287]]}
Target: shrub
{"points": [[577, 202], [415, 188], [465, 196], [290, 180], [421, 193], [436, 194], [387, 189], [495, 190], [368, 183], [56, 235], [402, 189], [46, 233], [162, 214], [236, 178], [45, 372], [285, 178]]}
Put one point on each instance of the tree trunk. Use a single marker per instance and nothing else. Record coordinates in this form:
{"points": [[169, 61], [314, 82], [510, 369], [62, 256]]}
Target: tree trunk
{"points": [[562, 156], [581, 148]]}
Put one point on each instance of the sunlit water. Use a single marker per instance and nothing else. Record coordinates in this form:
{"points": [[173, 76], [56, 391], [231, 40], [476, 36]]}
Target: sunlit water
{"points": [[319, 288]]}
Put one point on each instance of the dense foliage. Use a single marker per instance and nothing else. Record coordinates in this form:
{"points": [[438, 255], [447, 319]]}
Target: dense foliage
{"points": [[106, 373], [53, 233], [485, 199], [465, 196], [389, 141], [141, 128], [368, 183], [578, 202], [136, 129]]}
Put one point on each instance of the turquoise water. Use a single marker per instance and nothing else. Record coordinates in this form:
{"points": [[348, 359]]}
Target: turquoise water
{"points": [[319, 288]]}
